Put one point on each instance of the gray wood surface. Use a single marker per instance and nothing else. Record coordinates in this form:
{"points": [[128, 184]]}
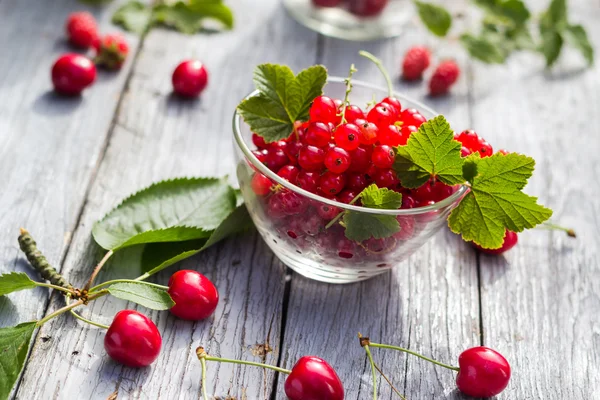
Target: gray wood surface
{"points": [[64, 163]]}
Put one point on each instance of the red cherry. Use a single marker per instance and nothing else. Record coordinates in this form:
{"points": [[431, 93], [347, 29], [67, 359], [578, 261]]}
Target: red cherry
{"points": [[382, 115], [308, 181], [317, 134], [337, 160], [190, 78], [289, 173], [313, 379], [72, 73], [347, 137], [261, 185], [353, 113], [331, 184], [323, 109], [468, 138], [483, 372], [383, 156], [132, 339], [510, 241], [411, 116], [311, 158], [195, 296]]}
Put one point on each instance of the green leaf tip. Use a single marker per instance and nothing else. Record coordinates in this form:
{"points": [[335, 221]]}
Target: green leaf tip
{"points": [[14, 346], [14, 282], [436, 18]]}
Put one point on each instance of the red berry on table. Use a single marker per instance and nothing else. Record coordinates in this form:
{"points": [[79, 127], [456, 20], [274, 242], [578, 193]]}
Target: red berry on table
{"points": [[416, 61], [308, 181], [317, 134], [72, 73], [353, 113], [331, 183], [82, 29], [367, 8], [347, 137], [483, 372], [132, 339], [312, 378], [289, 173], [368, 132], [190, 78], [195, 296], [260, 184], [382, 115], [510, 240], [111, 51], [383, 156], [445, 75], [311, 158], [337, 160], [411, 116], [323, 109], [327, 3]]}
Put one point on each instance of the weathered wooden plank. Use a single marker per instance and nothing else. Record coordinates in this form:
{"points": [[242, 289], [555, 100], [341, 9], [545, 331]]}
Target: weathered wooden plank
{"points": [[541, 301], [49, 145], [429, 302], [159, 136]]}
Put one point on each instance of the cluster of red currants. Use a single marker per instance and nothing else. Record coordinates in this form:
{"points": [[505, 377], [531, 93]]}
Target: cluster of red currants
{"points": [[360, 8]]}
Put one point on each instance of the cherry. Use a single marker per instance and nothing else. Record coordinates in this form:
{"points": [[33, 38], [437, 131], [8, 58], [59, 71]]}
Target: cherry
{"points": [[367, 8], [389, 135], [317, 134], [483, 372], [259, 141], [132, 339], [189, 78], [381, 115], [356, 181], [353, 113], [289, 173], [72, 73], [337, 160], [260, 184], [327, 212], [385, 178], [383, 156], [311, 158], [411, 116], [368, 132], [195, 296], [276, 158], [347, 137], [510, 241], [308, 181], [360, 159], [323, 109], [468, 138], [331, 184]]}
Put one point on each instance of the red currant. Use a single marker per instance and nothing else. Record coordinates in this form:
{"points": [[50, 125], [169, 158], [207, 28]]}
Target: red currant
{"points": [[345, 248], [72, 73], [503, 152], [308, 181], [327, 212], [261, 185], [346, 196], [275, 207], [381, 115], [293, 150], [195, 296], [353, 113], [368, 132], [356, 181], [464, 152], [347, 137], [331, 184], [424, 192], [132, 339], [276, 158], [408, 202], [293, 203], [259, 141], [318, 134], [323, 109], [313, 379], [289, 173], [407, 227], [411, 116], [337, 160], [389, 135], [510, 241], [311, 225], [311, 158], [367, 8], [484, 148], [468, 138], [386, 178], [483, 372], [405, 133], [395, 103], [360, 159], [441, 191], [383, 156], [190, 78]]}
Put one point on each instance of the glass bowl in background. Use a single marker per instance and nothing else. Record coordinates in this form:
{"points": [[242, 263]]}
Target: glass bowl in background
{"points": [[289, 222], [352, 19]]}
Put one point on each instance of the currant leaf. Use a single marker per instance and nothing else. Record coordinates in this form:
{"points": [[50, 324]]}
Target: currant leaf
{"points": [[495, 202], [14, 345], [282, 100], [436, 18], [13, 282], [143, 294], [133, 16], [373, 197], [189, 17], [483, 49], [431, 152]]}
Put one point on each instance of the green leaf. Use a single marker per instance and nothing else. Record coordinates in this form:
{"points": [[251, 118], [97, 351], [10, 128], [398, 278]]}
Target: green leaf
{"points": [[430, 152], [143, 294], [385, 199], [483, 49], [14, 345], [557, 13], [158, 256], [470, 166], [133, 16], [505, 11], [496, 203], [436, 18], [552, 43], [13, 282], [169, 211], [576, 35], [189, 17], [283, 99]]}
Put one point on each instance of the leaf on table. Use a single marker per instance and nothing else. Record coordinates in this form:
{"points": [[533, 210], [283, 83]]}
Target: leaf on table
{"points": [[436, 18], [282, 100], [158, 256], [15, 281], [133, 16], [190, 17], [557, 13], [483, 49], [168, 211], [143, 294], [430, 152], [495, 202], [577, 36], [14, 345], [552, 43]]}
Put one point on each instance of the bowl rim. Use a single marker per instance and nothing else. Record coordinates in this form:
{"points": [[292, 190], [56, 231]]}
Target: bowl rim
{"points": [[237, 132]]}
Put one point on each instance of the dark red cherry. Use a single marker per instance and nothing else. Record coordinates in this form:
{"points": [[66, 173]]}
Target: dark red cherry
{"points": [[195, 296], [483, 372]]}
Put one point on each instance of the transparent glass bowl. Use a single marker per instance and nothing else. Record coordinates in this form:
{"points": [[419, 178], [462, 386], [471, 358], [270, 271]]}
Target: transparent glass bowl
{"points": [[340, 22], [297, 235]]}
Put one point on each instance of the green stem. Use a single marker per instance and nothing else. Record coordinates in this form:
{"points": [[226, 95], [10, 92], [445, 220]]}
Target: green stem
{"points": [[97, 270], [340, 215], [384, 72], [551, 226], [79, 317], [254, 364], [387, 346], [348, 90], [366, 347], [55, 287], [203, 362], [103, 284], [69, 307]]}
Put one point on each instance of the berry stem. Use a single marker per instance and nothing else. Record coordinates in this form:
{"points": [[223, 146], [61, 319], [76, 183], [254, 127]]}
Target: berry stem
{"points": [[203, 362], [348, 81], [387, 346], [551, 227], [384, 71], [79, 317], [103, 284], [365, 344], [55, 287], [69, 307], [390, 383], [97, 270], [201, 353], [340, 215]]}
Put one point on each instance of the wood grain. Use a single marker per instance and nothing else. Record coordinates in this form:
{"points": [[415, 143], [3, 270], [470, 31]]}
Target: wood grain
{"points": [[158, 136]]}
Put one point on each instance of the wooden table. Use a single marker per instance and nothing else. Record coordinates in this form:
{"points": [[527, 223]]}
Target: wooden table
{"points": [[65, 162]]}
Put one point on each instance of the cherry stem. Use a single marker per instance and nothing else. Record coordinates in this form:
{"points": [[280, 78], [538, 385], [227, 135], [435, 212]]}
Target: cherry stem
{"points": [[79, 317], [384, 71], [203, 362], [97, 270], [201, 353], [387, 346], [103, 284], [348, 81], [55, 287], [373, 371], [340, 215], [551, 226], [390, 383], [69, 307]]}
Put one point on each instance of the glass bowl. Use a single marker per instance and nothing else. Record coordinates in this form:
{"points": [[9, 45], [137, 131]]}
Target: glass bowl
{"points": [[349, 19], [296, 232]]}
